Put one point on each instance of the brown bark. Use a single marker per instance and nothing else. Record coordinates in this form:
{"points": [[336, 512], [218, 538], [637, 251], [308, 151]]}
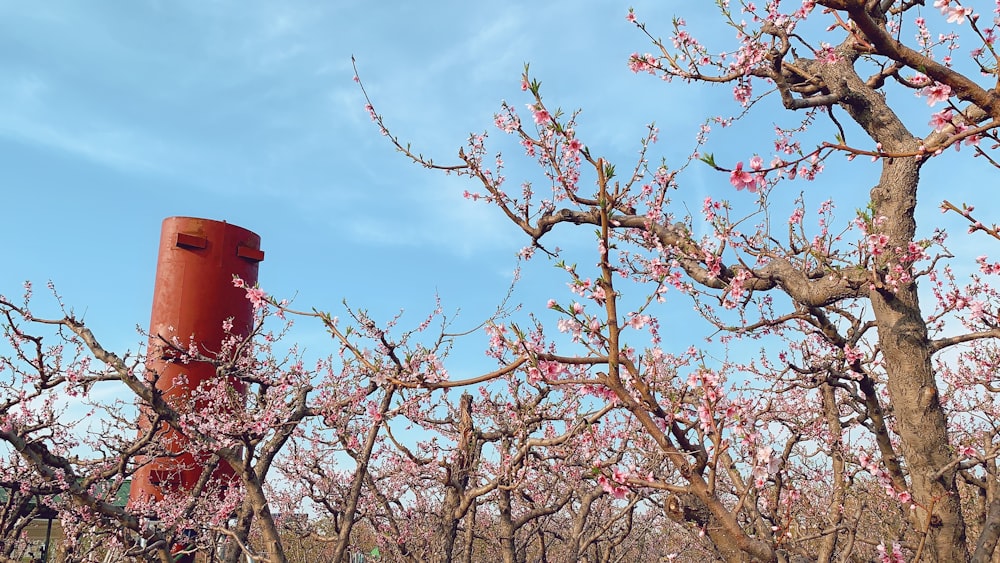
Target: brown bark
{"points": [[458, 475], [360, 474], [507, 547], [920, 419], [576, 545], [273, 546], [990, 535], [903, 339], [835, 514], [470, 534]]}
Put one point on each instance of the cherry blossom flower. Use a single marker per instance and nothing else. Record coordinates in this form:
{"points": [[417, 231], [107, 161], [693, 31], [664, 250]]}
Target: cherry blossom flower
{"points": [[257, 297], [540, 114], [827, 54], [642, 63], [796, 217], [941, 119], [936, 93], [742, 179], [638, 321], [957, 14], [877, 244]]}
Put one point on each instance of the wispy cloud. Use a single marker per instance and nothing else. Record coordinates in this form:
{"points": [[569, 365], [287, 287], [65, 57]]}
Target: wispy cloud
{"points": [[32, 118], [432, 214]]}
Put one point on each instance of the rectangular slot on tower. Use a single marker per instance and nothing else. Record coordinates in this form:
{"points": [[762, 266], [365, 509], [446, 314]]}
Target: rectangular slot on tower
{"points": [[185, 240]]}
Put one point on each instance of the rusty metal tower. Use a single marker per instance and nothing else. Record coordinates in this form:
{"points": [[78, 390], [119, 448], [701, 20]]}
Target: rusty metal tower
{"points": [[193, 297]]}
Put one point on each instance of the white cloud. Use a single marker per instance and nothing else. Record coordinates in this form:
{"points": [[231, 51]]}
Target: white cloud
{"points": [[433, 214], [101, 143]]}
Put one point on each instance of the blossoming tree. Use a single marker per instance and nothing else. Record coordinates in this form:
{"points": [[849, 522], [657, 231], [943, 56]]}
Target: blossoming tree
{"points": [[869, 392], [844, 407]]}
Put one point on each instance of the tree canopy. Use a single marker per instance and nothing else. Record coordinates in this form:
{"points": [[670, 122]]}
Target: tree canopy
{"points": [[843, 407]]}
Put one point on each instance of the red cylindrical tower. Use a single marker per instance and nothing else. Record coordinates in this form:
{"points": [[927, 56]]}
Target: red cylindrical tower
{"points": [[193, 298]]}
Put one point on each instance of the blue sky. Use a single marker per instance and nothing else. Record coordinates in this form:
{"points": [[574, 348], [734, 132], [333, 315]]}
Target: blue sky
{"points": [[113, 119]]}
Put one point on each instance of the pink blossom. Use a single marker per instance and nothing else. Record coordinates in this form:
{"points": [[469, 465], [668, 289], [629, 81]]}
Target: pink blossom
{"points": [[864, 460], [977, 310], [617, 491], [598, 294], [534, 375], [551, 370], [987, 268], [920, 79], [540, 114], [508, 122], [709, 208], [895, 557], [638, 321], [936, 93], [877, 243], [742, 179], [257, 297], [956, 14], [643, 63], [941, 119], [914, 252], [827, 54], [852, 354], [662, 176], [713, 263], [374, 412], [570, 326], [742, 92], [796, 216]]}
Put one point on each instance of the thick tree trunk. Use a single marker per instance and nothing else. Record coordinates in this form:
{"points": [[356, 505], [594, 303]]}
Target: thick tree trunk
{"points": [[271, 538], [920, 420], [470, 534], [354, 496], [835, 514], [688, 509], [447, 529], [576, 545], [507, 547], [456, 484], [241, 531]]}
